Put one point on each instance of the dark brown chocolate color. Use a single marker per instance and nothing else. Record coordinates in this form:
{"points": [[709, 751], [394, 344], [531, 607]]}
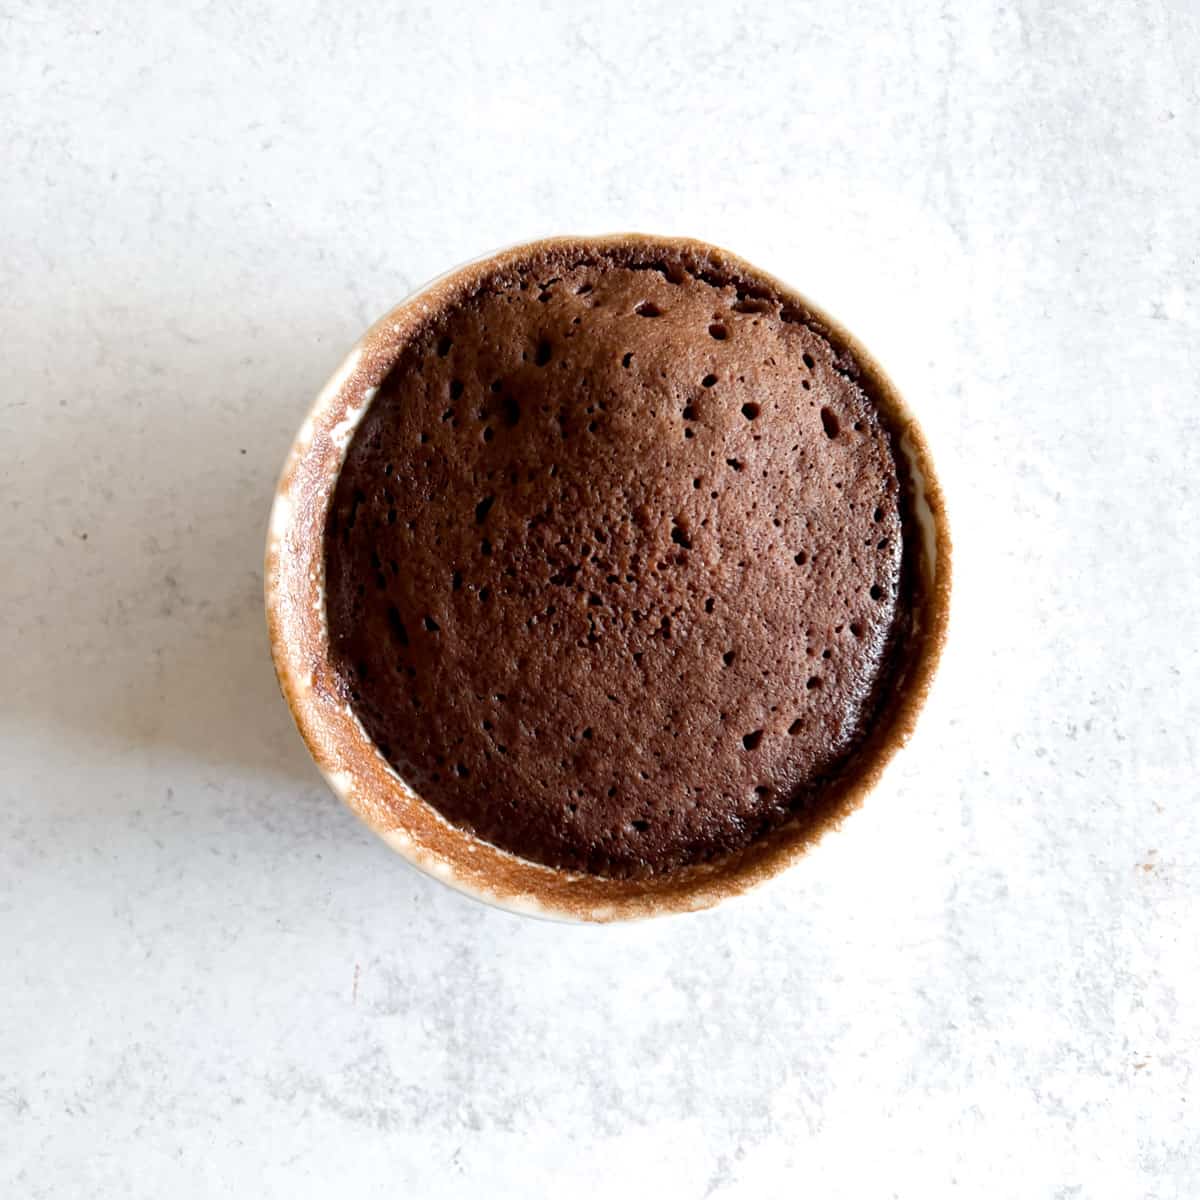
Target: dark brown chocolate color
{"points": [[616, 569]]}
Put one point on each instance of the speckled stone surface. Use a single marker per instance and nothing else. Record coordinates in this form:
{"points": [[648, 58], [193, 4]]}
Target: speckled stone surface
{"points": [[213, 974]]}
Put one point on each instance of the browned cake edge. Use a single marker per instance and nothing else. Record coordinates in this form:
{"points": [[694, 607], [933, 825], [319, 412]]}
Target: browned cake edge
{"points": [[365, 781]]}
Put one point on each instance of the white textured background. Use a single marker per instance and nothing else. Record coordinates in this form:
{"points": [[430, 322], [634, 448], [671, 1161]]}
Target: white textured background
{"points": [[216, 983]]}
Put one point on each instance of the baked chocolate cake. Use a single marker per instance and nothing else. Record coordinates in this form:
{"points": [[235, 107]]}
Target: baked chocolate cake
{"points": [[619, 564]]}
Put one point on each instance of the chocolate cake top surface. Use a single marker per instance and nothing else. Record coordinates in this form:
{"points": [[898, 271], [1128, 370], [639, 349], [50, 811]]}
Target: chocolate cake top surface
{"points": [[616, 567]]}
